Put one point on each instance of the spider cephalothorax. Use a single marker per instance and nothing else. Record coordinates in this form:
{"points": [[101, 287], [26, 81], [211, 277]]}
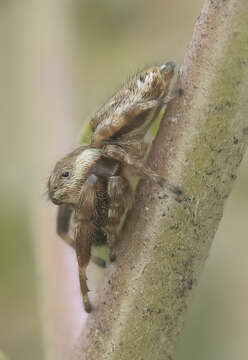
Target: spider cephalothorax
{"points": [[90, 182]]}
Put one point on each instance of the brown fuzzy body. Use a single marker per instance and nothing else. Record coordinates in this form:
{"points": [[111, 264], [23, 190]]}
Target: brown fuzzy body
{"points": [[90, 183]]}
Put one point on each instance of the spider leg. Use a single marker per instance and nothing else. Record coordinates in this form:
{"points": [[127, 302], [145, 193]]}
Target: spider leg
{"points": [[120, 199], [89, 213], [63, 224], [84, 234], [87, 208], [118, 153]]}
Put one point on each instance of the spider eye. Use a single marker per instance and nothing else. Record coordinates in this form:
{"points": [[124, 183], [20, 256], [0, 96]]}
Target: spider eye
{"points": [[65, 174]]}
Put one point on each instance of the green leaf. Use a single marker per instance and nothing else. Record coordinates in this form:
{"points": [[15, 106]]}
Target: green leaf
{"points": [[155, 126], [86, 134]]}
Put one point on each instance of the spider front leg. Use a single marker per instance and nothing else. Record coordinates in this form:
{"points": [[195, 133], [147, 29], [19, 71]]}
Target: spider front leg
{"points": [[90, 218], [63, 227], [120, 199], [84, 235]]}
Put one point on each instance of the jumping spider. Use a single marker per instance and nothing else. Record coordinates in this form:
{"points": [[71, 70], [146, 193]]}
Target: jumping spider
{"points": [[90, 182]]}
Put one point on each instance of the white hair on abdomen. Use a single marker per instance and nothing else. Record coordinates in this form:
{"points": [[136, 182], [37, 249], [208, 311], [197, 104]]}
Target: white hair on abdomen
{"points": [[142, 85], [84, 161]]}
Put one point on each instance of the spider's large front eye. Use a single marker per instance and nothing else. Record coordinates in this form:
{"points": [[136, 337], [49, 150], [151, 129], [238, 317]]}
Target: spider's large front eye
{"points": [[65, 174]]}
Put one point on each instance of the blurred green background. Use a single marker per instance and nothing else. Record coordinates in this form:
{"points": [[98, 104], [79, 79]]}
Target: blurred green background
{"points": [[102, 43]]}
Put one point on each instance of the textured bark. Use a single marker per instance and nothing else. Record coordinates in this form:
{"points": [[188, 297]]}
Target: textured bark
{"points": [[165, 242]]}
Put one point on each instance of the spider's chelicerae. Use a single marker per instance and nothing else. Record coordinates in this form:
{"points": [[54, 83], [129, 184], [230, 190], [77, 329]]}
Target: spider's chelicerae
{"points": [[90, 182]]}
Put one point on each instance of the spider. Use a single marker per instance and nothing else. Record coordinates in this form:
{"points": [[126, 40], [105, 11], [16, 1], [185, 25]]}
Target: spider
{"points": [[91, 181]]}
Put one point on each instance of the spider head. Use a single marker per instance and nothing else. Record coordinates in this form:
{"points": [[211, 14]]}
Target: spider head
{"points": [[69, 175], [60, 181]]}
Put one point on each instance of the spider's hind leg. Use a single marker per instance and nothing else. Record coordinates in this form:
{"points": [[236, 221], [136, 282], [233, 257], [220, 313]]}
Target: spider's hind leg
{"points": [[118, 153]]}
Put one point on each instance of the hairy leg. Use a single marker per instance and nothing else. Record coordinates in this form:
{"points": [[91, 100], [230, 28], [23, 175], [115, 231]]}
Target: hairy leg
{"points": [[84, 236], [91, 197], [63, 224], [120, 199], [118, 153], [63, 227]]}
